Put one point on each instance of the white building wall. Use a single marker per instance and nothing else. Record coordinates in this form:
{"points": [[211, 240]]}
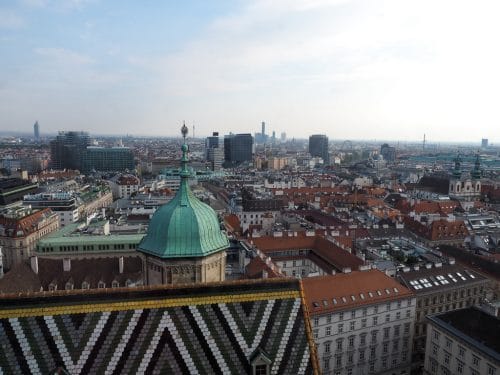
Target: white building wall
{"points": [[445, 354], [372, 339]]}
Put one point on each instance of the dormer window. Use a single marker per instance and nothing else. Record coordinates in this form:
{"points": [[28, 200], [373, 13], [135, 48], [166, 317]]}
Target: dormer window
{"points": [[85, 285], [101, 285], [261, 364], [115, 284], [52, 287], [69, 286]]}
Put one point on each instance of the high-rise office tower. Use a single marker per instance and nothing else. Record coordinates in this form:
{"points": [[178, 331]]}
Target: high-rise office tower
{"points": [[263, 129], [67, 150], [484, 143], [214, 153], [318, 146], [388, 152], [238, 148], [36, 131]]}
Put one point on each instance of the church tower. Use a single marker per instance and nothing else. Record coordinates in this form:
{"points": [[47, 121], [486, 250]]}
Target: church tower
{"points": [[184, 242]]}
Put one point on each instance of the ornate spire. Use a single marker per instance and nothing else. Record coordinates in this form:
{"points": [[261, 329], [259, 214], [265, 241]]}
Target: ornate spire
{"points": [[476, 171], [185, 149], [457, 172]]}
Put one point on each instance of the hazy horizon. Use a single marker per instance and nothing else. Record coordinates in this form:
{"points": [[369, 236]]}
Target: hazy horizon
{"points": [[354, 70]]}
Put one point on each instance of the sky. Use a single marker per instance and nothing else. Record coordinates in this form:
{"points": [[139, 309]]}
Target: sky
{"points": [[367, 69]]}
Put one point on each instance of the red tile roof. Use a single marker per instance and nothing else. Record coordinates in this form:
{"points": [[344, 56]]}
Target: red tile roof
{"points": [[321, 247], [339, 292]]}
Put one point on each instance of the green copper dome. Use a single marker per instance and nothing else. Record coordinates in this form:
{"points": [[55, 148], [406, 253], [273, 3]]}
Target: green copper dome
{"points": [[185, 226]]}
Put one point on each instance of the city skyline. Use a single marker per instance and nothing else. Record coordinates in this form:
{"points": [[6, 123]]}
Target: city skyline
{"points": [[347, 69]]}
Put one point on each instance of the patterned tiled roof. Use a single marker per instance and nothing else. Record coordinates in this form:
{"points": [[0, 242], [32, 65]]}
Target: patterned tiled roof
{"points": [[209, 329]]}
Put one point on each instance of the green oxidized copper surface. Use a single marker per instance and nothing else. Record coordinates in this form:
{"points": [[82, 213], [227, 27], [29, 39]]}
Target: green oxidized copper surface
{"points": [[184, 227]]}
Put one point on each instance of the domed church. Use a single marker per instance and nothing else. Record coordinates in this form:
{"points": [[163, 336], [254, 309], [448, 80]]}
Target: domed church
{"points": [[184, 242]]}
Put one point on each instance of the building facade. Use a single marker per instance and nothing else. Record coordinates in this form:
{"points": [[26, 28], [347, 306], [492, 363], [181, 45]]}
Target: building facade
{"points": [[67, 149], [20, 230], [438, 289], [107, 159], [464, 341], [362, 323], [238, 148]]}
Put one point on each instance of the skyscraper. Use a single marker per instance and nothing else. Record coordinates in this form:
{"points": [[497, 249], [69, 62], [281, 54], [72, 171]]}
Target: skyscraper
{"points": [[36, 131], [318, 146], [484, 143], [238, 148], [263, 129]]}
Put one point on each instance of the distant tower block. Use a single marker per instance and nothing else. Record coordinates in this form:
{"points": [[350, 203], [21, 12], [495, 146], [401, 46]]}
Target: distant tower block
{"points": [[263, 129], [484, 143], [36, 131]]}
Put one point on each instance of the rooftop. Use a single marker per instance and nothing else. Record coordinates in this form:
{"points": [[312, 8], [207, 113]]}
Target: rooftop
{"points": [[338, 292], [435, 278]]}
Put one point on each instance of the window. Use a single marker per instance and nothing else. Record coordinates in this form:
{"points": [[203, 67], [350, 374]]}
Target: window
{"points": [[352, 326], [261, 370], [316, 322], [407, 328], [491, 370], [341, 328], [385, 347], [448, 343], [353, 314], [447, 358], [475, 360], [435, 335], [315, 333], [374, 336], [362, 355], [351, 341], [341, 316], [461, 351], [365, 311], [339, 344], [398, 315], [434, 350], [338, 361], [386, 332], [328, 331], [327, 347], [363, 323], [388, 317], [460, 367], [372, 352], [396, 330], [350, 358], [326, 363], [328, 319], [362, 339], [375, 320], [408, 312]]}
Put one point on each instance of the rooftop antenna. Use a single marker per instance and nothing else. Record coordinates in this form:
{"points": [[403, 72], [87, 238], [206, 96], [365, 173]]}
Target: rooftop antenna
{"points": [[423, 144]]}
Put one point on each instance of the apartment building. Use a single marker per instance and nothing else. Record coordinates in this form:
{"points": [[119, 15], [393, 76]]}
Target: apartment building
{"points": [[463, 341], [440, 288], [362, 323]]}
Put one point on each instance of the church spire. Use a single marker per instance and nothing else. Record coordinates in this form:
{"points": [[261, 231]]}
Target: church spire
{"points": [[476, 171], [457, 171]]}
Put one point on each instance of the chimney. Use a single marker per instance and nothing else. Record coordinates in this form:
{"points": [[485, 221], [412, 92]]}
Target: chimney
{"points": [[34, 264], [66, 264], [121, 264]]}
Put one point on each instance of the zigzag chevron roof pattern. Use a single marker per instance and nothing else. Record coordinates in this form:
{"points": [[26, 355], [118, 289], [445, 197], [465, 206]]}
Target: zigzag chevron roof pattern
{"points": [[197, 330]]}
